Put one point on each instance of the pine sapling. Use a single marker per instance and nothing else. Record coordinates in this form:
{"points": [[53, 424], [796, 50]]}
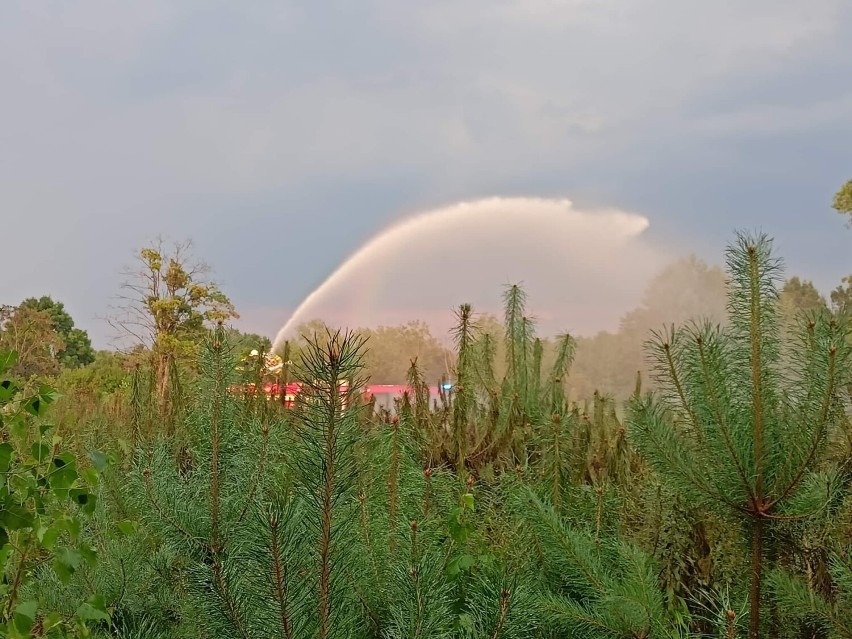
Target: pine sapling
{"points": [[330, 373], [393, 484], [464, 387], [733, 430]]}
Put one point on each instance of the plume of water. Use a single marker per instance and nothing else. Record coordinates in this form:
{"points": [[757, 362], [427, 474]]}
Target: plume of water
{"points": [[582, 269]]}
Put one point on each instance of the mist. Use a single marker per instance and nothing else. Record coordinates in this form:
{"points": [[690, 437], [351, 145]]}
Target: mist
{"points": [[582, 269]]}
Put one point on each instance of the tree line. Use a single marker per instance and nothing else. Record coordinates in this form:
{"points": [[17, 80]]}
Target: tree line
{"points": [[169, 301]]}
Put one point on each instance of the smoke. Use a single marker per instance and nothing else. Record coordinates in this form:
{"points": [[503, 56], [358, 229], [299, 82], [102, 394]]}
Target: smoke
{"points": [[581, 269]]}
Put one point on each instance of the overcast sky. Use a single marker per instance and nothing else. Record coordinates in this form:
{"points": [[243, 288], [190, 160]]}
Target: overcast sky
{"points": [[281, 136]]}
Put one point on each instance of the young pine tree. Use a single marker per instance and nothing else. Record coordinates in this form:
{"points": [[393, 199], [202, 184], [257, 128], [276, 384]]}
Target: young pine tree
{"points": [[741, 418], [327, 422], [200, 501]]}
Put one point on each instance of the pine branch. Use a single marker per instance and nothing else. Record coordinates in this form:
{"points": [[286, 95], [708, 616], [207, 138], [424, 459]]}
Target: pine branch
{"points": [[258, 472], [710, 390], [818, 433], [280, 578]]}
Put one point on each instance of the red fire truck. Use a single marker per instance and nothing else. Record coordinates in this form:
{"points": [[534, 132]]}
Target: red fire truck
{"points": [[384, 394]]}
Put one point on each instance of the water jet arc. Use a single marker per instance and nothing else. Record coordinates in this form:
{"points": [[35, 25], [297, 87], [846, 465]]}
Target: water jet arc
{"points": [[528, 229]]}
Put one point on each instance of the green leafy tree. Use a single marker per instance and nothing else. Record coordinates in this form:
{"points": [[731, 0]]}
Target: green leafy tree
{"points": [[30, 333], [729, 426], [244, 343], [305, 334], [686, 289], [798, 297], [801, 296], [841, 296], [78, 349], [843, 199], [109, 372], [393, 347]]}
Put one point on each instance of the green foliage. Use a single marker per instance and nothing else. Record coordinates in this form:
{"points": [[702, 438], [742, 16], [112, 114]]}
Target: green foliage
{"points": [[801, 296], [747, 437], [127, 578], [327, 427], [30, 334], [62, 322], [598, 585], [168, 305], [108, 373], [807, 609], [843, 199], [45, 496], [688, 289], [841, 296], [77, 349], [391, 350], [179, 304], [245, 343], [393, 347]]}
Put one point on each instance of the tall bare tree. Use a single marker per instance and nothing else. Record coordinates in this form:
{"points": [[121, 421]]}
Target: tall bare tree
{"points": [[167, 300]]}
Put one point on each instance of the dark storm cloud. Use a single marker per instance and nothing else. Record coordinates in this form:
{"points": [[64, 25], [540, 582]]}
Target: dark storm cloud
{"points": [[282, 135]]}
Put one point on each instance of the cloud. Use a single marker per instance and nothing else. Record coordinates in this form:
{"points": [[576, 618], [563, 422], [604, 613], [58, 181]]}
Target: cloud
{"points": [[122, 121]]}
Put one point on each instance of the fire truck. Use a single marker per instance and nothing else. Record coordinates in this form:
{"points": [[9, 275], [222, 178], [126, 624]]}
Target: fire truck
{"points": [[383, 394]]}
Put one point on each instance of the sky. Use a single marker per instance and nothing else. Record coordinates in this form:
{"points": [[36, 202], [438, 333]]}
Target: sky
{"points": [[282, 136]]}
